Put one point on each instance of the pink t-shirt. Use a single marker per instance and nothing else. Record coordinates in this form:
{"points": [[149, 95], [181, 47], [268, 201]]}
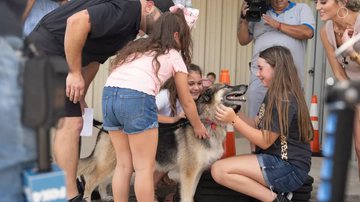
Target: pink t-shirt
{"points": [[140, 74]]}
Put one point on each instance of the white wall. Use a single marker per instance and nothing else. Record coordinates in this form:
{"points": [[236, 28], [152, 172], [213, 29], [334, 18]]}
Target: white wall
{"points": [[215, 48]]}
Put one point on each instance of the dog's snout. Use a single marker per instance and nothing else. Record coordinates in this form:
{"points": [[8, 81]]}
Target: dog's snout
{"points": [[241, 88]]}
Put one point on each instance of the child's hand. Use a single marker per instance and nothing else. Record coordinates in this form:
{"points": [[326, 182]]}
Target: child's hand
{"points": [[201, 132], [225, 114], [180, 116]]}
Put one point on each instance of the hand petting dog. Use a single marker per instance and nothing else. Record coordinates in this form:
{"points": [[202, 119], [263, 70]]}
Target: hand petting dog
{"points": [[225, 114]]}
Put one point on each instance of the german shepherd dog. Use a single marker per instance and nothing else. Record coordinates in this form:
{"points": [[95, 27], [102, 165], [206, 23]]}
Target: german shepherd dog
{"points": [[178, 148]]}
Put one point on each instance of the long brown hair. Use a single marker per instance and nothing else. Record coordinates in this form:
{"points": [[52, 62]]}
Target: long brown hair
{"points": [[284, 83], [195, 68], [160, 41], [173, 96]]}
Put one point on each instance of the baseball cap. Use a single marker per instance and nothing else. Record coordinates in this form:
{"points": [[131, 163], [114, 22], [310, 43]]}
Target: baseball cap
{"points": [[163, 5]]}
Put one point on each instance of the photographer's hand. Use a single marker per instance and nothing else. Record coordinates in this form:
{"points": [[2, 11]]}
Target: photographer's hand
{"points": [[244, 9], [300, 32], [271, 22], [243, 35]]}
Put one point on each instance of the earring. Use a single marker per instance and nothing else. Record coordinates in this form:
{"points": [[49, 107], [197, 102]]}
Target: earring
{"points": [[344, 9]]}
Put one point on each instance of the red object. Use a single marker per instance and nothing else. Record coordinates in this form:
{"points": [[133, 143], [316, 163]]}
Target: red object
{"points": [[315, 146], [229, 143], [224, 76], [315, 143]]}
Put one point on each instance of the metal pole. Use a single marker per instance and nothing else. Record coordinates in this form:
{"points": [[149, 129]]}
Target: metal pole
{"points": [[342, 99], [44, 149]]}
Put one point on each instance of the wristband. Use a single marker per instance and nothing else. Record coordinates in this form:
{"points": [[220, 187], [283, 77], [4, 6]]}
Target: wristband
{"points": [[279, 26]]}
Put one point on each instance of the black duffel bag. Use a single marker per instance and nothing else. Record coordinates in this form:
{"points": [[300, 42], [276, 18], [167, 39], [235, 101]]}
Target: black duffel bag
{"points": [[44, 80]]}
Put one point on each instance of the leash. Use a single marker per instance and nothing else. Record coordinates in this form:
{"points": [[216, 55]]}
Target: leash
{"points": [[179, 124], [98, 124]]}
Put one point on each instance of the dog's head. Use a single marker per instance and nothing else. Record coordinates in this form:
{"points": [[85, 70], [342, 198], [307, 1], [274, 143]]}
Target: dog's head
{"points": [[230, 96]]}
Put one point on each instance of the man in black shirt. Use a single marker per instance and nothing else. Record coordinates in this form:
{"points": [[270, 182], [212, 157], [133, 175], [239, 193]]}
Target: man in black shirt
{"points": [[87, 33]]}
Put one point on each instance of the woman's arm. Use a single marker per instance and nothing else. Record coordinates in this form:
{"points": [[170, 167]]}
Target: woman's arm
{"points": [[188, 104], [337, 69], [255, 136], [251, 122], [166, 119], [170, 119]]}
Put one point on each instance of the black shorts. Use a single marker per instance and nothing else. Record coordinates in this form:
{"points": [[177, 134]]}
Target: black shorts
{"points": [[71, 109]]}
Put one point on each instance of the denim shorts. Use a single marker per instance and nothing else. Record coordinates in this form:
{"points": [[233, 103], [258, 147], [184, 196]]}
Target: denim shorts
{"points": [[281, 176], [128, 110]]}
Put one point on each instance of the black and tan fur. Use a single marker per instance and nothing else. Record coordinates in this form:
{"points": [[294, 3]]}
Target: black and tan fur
{"points": [[178, 148]]}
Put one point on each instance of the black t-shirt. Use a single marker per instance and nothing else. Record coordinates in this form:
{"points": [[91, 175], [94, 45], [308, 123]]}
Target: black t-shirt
{"points": [[113, 24], [298, 153]]}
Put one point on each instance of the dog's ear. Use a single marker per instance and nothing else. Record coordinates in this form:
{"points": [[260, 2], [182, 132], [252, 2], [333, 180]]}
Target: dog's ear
{"points": [[206, 96]]}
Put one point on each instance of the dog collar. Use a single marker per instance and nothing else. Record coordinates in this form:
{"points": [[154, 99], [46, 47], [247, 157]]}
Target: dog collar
{"points": [[212, 124]]}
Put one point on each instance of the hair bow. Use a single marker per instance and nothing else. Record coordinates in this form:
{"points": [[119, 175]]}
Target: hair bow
{"points": [[191, 14]]}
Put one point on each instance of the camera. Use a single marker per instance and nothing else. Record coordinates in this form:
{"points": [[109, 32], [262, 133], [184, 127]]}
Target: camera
{"points": [[256, 9]]}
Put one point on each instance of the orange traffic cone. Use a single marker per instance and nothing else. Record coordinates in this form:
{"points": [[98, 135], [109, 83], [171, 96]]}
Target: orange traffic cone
{"points": [[229, 143], [224, 76], [315, 145]]}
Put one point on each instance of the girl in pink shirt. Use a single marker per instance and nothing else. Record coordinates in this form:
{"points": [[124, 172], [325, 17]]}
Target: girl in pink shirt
{"points": [[129, 107]]}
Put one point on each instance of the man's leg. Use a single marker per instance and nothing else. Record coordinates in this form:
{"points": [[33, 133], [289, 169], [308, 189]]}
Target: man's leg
{"points": [[66, 150], [66, 142]]}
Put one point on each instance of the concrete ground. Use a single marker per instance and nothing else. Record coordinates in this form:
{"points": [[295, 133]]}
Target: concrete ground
{"points": [[242, 146]]}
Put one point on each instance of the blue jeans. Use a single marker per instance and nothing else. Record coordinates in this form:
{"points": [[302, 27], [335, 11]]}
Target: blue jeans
{"points": [[128, 110], [17, 144], [280, 175]]}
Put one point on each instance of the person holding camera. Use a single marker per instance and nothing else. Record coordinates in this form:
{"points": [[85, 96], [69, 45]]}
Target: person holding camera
{"points": [[281, 22]]}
